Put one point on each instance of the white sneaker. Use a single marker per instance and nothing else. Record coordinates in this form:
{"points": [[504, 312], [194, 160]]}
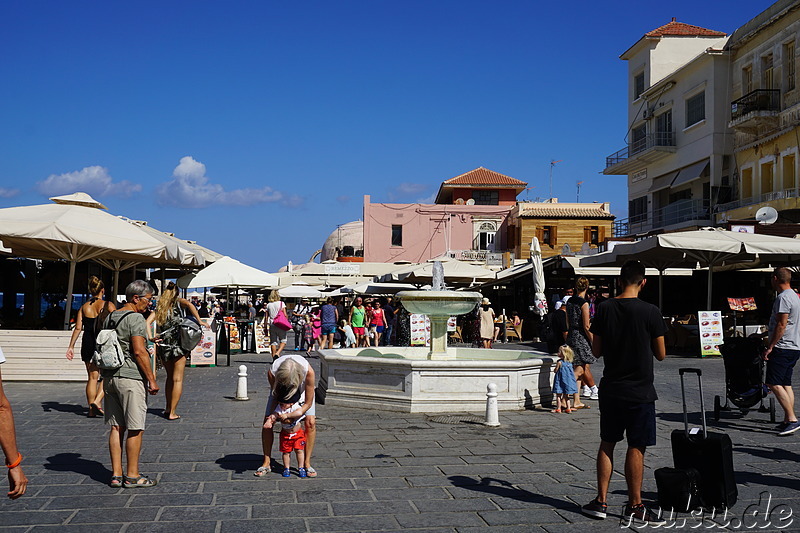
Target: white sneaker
{"points": [[593, 395], [587, 391]]}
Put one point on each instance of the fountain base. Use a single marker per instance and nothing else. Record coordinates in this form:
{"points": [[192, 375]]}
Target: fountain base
{"points": [[404, 379]]}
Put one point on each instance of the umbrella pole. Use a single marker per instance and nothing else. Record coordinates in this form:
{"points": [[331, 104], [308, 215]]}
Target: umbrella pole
{"points": [[708, 298], [116, 284], [661, 291], [70, 286]]}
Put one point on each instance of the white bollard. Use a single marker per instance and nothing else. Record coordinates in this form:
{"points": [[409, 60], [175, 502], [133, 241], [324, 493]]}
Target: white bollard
{"points": [[492, 416], [241, 385]]}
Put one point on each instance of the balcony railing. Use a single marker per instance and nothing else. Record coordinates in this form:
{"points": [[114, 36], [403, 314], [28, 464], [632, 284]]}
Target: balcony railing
{"points": [[651, 140], [753, 200], [674, 213], [759, 100]]}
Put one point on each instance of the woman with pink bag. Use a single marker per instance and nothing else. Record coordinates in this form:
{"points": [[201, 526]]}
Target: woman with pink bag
{"points": [[278, 324]]}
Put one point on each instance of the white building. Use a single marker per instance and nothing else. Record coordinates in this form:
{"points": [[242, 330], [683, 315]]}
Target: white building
{"points": [[678, 143]]}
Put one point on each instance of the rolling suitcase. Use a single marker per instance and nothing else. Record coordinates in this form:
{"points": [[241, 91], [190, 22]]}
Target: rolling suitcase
{"points": [[711, 454]]}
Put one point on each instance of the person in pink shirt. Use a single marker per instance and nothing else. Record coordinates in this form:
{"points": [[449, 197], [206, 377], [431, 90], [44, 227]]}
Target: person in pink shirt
{"points": [[377, 322]]}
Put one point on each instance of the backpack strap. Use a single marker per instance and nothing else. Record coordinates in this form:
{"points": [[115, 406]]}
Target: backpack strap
{"points": [[114, 326]]}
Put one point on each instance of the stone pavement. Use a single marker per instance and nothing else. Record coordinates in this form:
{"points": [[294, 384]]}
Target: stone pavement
{"points": [[378, 471]]}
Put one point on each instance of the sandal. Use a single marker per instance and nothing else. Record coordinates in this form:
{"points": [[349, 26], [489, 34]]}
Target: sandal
{"points": [[138, 482], [584, 406], [97, 409], [261, 472], [116, 482], [556, 411], [310, 472]]}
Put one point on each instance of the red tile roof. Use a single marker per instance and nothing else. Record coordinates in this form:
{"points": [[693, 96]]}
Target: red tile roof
{"points": [[680, 29], [484, 176], [557, 211]]}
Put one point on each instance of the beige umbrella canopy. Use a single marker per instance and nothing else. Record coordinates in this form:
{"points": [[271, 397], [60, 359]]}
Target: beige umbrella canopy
{"points": [[454, 272], [75, 233], [228, 272]]}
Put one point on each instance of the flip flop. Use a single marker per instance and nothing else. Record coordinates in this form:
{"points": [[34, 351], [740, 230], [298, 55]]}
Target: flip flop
{"points": [[261, 472], [556, 411], [584, 406], [97, 409], [310, 472]]}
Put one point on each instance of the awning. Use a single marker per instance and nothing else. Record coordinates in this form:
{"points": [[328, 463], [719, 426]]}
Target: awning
{"points": [[575, 263], [690, 173], [663, 182]]}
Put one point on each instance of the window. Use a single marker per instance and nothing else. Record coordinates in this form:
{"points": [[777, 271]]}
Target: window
{"points": [[593, 234], [547, 235], [788, 172], [638, 85], [664, 129], [486, 197], [767, 79], [639, 139], [767, 181], [637, 209], [788, 66], [685, 194], [696, 109], [485, 237], [397, 235], [747, 79], [746, 190]]}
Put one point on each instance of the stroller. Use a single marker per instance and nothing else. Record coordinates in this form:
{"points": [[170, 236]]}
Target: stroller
{"points": [[744, 377]]}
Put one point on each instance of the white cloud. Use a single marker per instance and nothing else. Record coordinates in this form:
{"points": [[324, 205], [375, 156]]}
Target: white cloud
{"points": [[8, 193], [94, 180], [190, 187], [431, 198], [411, 188]]}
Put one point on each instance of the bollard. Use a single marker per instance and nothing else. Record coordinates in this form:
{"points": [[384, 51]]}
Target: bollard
{"points": [[492, 417], [241, 385]]}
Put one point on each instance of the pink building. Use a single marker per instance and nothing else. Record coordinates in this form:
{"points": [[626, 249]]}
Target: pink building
{"points": [[468, 220]]}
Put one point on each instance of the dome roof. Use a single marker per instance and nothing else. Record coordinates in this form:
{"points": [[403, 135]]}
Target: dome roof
{"points": [[346, 236]]}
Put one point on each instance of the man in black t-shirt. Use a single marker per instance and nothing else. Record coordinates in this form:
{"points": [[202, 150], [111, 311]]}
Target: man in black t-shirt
{"points": [[627, 334]]}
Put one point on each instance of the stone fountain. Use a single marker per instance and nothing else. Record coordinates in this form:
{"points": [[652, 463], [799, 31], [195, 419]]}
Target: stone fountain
{"points": [[442, 379]]}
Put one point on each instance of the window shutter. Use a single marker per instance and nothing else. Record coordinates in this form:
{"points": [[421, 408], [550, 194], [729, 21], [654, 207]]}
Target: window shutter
{"points": [[554, 235], [540, 235], [587, 234], [601, 234]]}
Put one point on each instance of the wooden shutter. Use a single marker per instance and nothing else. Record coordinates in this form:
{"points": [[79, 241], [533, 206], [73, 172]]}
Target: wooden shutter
{"points": [[554, 235], [540, 234], [601, 234], [587, 234]]}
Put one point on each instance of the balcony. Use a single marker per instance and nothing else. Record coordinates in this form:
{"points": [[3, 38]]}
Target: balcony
{"points": [[781, 200], [757, 110], [676, 215], [641, 152]]}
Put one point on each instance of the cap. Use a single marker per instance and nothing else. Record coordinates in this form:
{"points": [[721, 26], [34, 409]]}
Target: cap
{"points": [[485, 301]]}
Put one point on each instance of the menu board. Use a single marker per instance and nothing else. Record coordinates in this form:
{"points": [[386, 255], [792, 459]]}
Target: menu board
{"points": [[205, 351], [742, 304], [420, 330], [233, 330], [710, 330], [451, 324], [262, 337]]}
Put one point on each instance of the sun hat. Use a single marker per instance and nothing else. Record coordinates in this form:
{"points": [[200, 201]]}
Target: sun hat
{"points": [[558, 305], [485, 301]]}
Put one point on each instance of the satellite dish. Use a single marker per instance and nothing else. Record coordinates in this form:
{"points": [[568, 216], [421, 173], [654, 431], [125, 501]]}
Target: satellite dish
{"points": [[767, 215], [459, 201], [471, 201]]}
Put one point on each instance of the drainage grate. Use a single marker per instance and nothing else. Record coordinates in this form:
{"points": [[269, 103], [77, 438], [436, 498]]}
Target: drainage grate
{"points": [[456, 419]]}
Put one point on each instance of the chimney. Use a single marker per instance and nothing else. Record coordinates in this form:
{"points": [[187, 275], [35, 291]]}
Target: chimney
{"points": [[673, 19]]}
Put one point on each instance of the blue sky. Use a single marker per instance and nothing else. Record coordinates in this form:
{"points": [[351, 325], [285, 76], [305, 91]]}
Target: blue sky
{"points": [[256, 127]]}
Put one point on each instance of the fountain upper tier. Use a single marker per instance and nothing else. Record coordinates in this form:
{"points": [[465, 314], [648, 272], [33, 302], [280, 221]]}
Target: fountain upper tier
{"points": [[439, 303]]}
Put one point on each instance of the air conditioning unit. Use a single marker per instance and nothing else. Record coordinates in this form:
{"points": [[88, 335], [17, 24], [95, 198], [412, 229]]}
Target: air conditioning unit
{"points": [[648, 113]]}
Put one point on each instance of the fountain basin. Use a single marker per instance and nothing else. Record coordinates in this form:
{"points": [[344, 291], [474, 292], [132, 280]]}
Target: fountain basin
{"points": [[403, 379], [439, 303]]}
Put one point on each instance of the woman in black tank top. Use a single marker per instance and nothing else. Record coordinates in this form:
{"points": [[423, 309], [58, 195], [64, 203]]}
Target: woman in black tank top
{"points": [[89, 317]]}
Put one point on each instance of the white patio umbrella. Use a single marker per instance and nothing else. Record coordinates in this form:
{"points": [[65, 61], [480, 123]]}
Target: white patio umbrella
{"points": [[74, 233], [231, 274], [454, 272], [374, 287], [710, 247], [301, 291], [540, 300]]}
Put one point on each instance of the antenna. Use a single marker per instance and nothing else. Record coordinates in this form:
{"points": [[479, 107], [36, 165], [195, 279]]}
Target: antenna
{"points": [[552, 164], [767, 215], [528, 193], [578, 196]]}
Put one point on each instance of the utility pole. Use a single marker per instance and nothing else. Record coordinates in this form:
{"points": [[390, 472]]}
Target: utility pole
{"points": [[552, 164], [578, 197]]}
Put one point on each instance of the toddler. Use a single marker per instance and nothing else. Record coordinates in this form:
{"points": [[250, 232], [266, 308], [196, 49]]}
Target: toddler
{"points": [[564, 383], [348, 335], [292, 437]]}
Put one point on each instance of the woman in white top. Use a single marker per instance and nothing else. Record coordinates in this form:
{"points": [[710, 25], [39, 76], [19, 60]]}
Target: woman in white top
{"points": [[292, 380]]}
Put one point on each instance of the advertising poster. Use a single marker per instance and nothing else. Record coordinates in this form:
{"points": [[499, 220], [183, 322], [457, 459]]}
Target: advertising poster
{"points": [[420, 330], [206, 350], [262, 338], [710, 330], [451, 324], [233, 332], [742, 304]]}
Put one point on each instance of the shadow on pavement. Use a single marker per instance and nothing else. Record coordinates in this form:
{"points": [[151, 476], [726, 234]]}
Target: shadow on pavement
{"points": [[770, 453], [241, 462], [504, 489], [65, 408], [72, 462]]}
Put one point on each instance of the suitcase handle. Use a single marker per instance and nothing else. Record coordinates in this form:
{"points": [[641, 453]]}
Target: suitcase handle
{"points": [[699, 373]]}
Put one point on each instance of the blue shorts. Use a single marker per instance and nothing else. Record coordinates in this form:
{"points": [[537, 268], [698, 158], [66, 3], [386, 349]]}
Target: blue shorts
{"points": [[328, 329], [377, 329], [636, 420], [780, 366]]}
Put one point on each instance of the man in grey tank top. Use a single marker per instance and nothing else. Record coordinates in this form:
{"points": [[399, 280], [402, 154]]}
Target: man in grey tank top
{"points": [[783, 347]]}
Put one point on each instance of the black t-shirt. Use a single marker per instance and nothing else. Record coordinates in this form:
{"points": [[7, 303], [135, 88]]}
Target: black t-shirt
{"points": [[627, 327], [558, 324]]}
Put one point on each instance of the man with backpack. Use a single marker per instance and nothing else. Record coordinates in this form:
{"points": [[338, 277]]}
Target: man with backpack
{"points": [[126, 387]]}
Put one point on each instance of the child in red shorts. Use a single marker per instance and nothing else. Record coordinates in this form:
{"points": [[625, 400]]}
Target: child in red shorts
{"points": [[292, 438]]}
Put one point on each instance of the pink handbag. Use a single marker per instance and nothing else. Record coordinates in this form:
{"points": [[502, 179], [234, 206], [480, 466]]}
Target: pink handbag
{"points": [[281, 321]]}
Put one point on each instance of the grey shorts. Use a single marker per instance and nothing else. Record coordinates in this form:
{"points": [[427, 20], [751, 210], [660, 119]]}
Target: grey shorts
{"points": [[277, 335], [126, 403]]}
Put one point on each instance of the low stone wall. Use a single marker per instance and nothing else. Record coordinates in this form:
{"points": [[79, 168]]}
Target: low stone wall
{"points": [[401, 379], [39, 355]]}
